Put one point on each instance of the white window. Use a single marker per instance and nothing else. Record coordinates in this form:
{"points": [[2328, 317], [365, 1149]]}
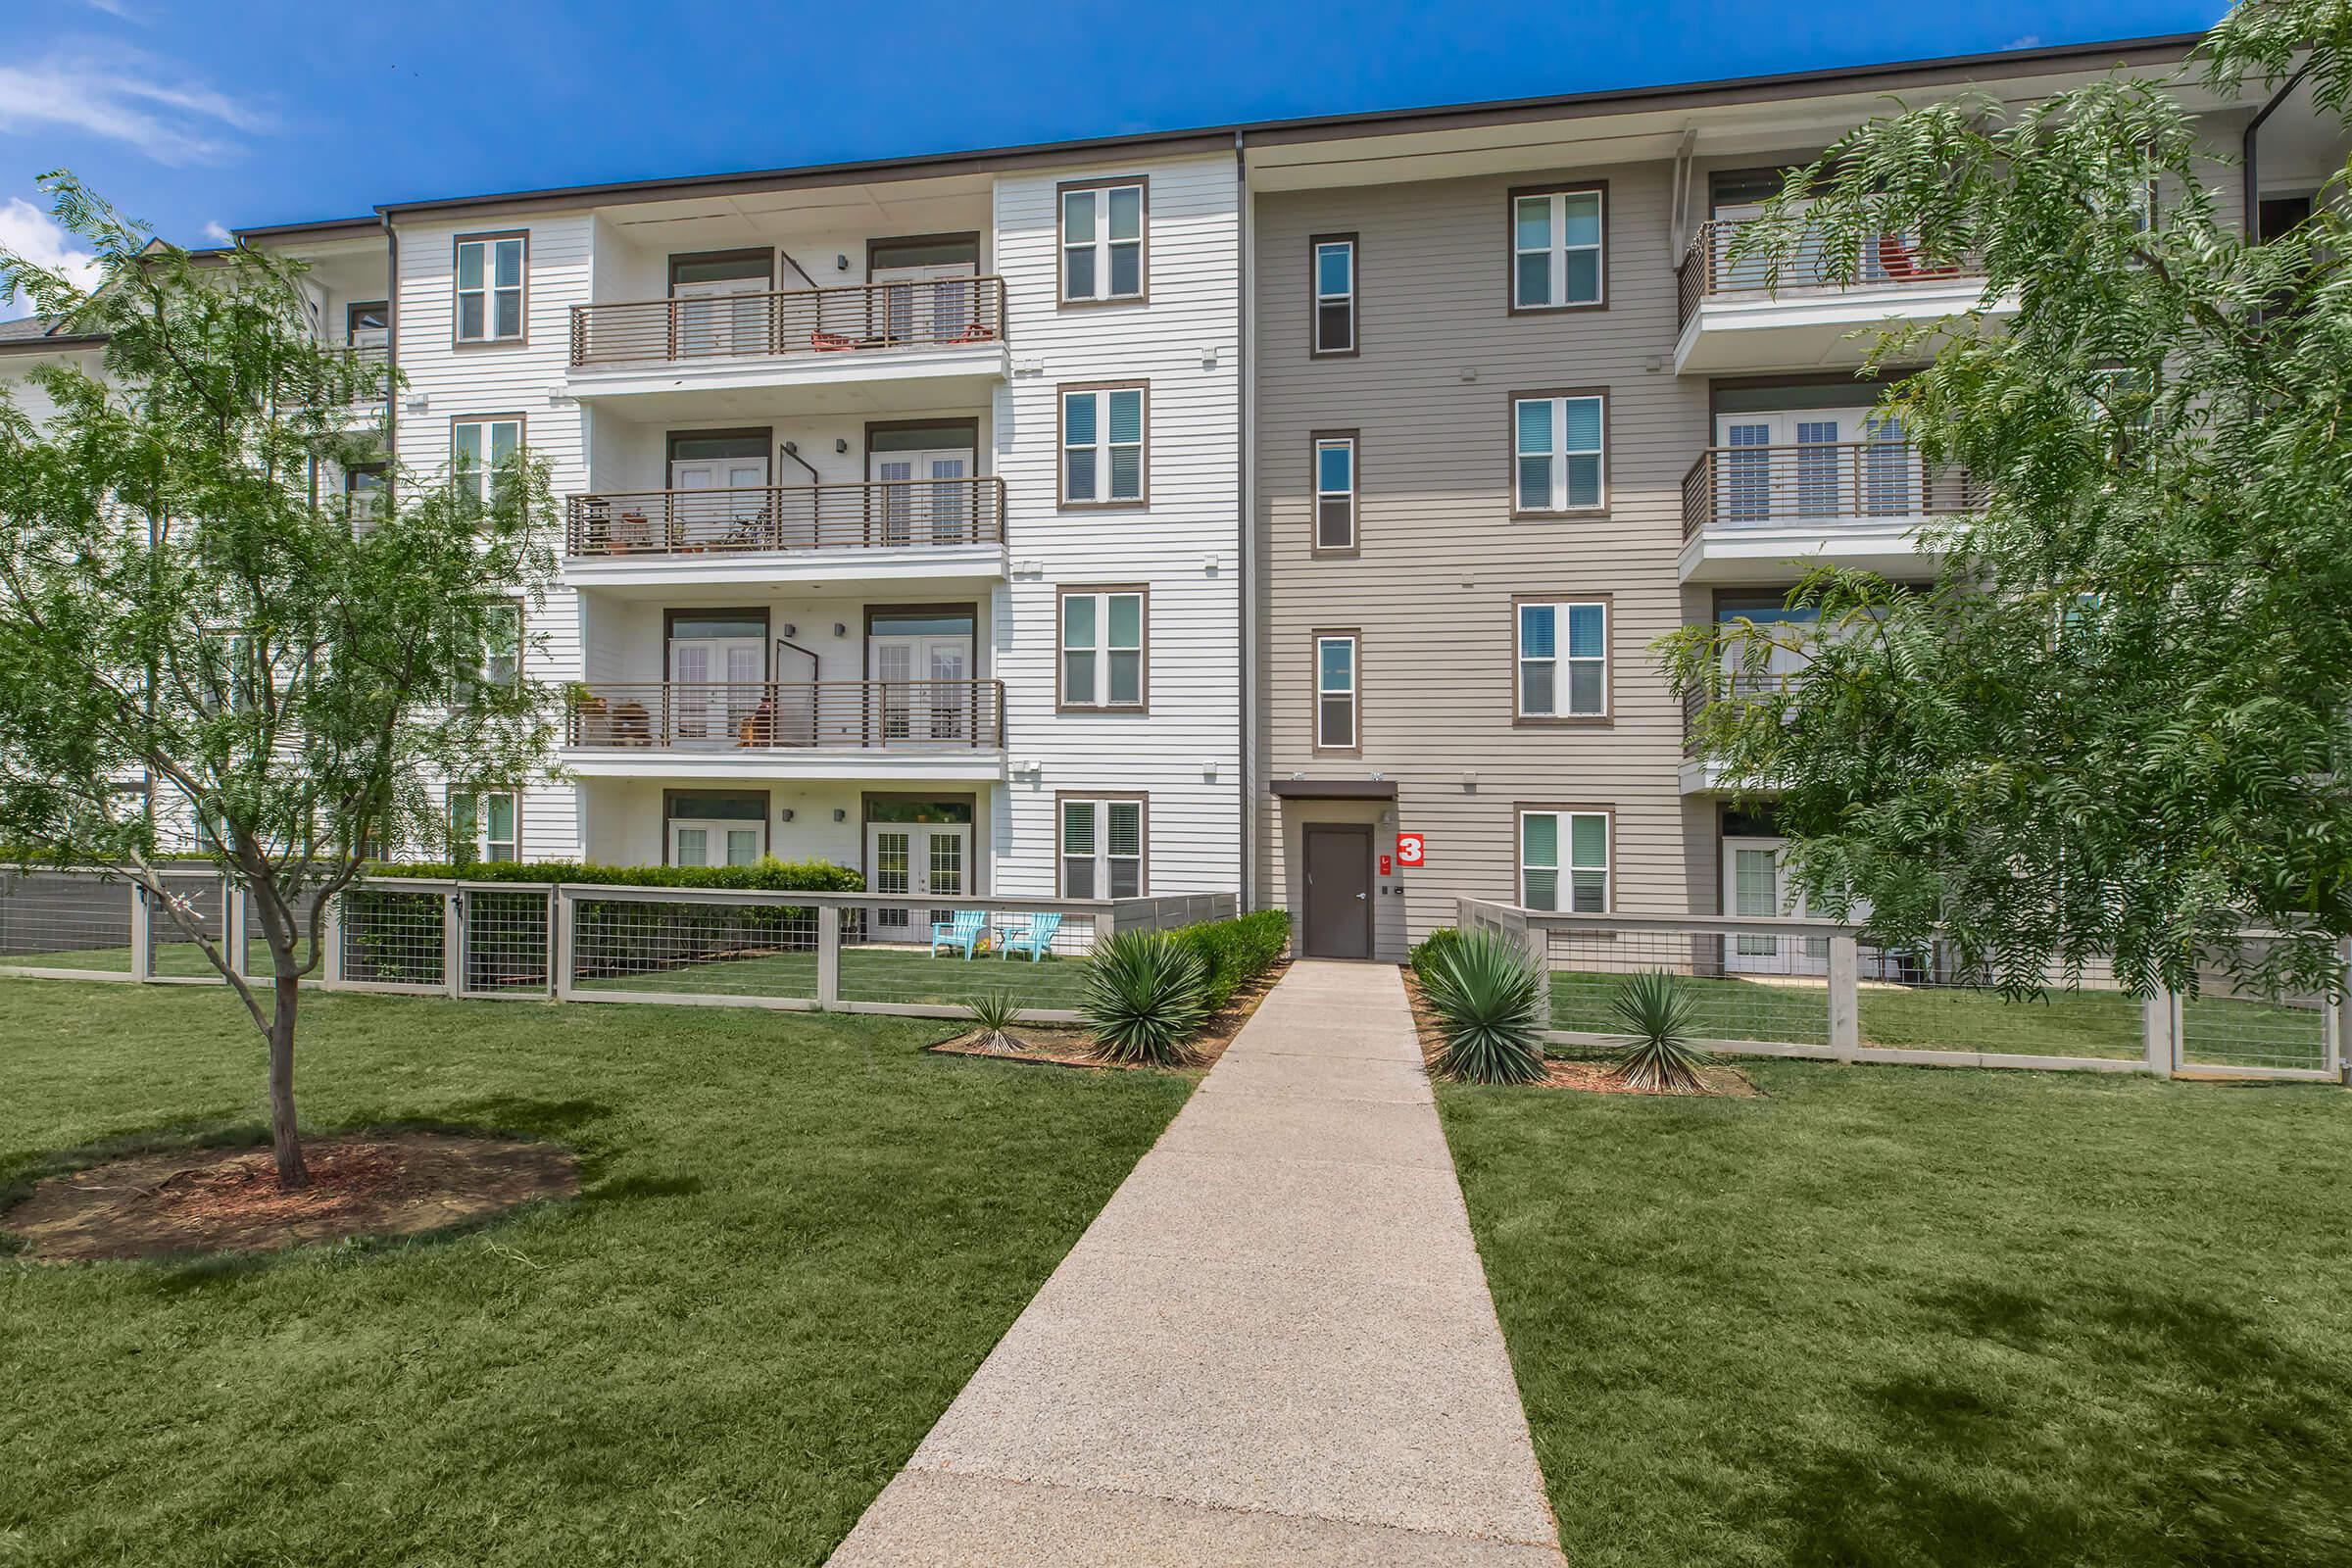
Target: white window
{"points": [[1335, 692], [1102, 242], [1102, 849], [490, 288], [1335, 491], [1102, 445], [1564, 660], [1556, 250], [476, 450], [1335, 295], [483, 825], [1102, 650], [1584, 838], [362, 493], [1561, 466]]}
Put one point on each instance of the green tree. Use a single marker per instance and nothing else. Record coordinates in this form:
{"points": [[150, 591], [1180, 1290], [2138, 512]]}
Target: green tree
{"points": [[194, 626], [2117, 723]]}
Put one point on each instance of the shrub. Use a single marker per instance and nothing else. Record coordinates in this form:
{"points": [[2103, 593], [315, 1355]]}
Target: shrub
{"points": [[770, 874], [1488, 994], [1433, 946], [993, 1013], [1237, 952], [1144, 997], [1656, 1013]]}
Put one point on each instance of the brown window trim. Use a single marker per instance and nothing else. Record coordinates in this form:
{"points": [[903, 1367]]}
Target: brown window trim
{"points": [[522, 433], [1316, 549], [767, 806], [1142, 869], [1604, 719], [1355, 297], [1520, 809], [672, 437], [742, 253], [1062, 700], [759, 613], [1061, 459], [1608, 447], [1143, 263], [489, 303], [1510, 248], [967, 236], [450, 791], [1314, 691]]}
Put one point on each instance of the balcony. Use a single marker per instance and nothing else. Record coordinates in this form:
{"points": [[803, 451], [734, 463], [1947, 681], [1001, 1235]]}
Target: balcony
{"points": [[1702, 775], [859, 348], [1749, 512], [1733, 318], [928, 530], [920, 729]]}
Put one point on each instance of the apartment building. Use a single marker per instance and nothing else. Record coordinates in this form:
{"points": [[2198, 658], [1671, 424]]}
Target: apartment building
{"points": [[1287, 506], [902, 506], [1516, 414]]}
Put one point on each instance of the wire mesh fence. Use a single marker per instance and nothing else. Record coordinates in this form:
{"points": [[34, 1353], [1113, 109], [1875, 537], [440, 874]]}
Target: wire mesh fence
{"points": [[1743, 986], [193, 904], [66, 921], [259, 964], [914, 955], [740, 946], [2237, 1018], [1927, 998], [395, 937], [506, 945]]}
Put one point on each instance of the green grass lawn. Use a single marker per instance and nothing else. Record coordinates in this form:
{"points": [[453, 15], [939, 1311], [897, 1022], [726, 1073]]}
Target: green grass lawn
{"points": [[1918, 1315], [799, 1237], [868, 975], [2089, 1023]]}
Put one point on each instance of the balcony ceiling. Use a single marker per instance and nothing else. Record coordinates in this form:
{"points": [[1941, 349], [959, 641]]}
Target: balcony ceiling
{"points": [[878, 210]]}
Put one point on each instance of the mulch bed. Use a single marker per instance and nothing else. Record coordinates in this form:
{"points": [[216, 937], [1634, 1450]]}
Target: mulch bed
{"points": [[227, 1200], [1052, 1045], [1589, 1077]]}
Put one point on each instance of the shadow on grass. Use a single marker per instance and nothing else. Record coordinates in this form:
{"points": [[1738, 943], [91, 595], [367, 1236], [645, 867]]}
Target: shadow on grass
{"points": [[2248, 1444]]}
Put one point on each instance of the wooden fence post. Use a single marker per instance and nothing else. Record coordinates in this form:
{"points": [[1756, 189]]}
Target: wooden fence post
{"points": [[142, 934], [330, 937], [828, 956], [1845, 996], [232, 928], [2159, 1050], [452, 944], [561, 914]]}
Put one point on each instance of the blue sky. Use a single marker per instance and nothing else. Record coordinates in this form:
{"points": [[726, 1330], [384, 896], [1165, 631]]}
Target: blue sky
{"points": [[197, 117]]}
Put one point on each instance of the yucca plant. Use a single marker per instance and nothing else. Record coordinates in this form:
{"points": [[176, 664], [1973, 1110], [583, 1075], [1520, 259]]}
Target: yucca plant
{"points": [[1488, 994], [1656, 1013], [993, 1012], [1146, 995]]}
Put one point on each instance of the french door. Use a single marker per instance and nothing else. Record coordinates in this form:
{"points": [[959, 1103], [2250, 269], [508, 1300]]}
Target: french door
{"points": [[916, 503], [927, 693], [719, 316], [716, 842], [1756, 888], [720, 503], [1814, 462], [717, 689], [924, 858], [933, 303]]}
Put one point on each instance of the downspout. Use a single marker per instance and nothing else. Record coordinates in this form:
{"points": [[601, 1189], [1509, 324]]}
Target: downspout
{"points": [[1245, 375], [2251, 217]]}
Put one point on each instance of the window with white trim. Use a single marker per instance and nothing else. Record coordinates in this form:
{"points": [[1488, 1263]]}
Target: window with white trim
{"points": [[1556, 250], [484, 825], [1102, 648], [1102, 849], [1564, 659], [476, 450], [1102, 242], [1559, 444], [1335, 491], [1102, 445], [1564, 861], [1336, 692], [490, 288], [1335, 295]]}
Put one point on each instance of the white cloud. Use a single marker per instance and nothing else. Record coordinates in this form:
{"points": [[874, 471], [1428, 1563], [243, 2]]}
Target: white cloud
{"points": [[32, 234], [126, 97], [218, 232], [2032, 40], [119, 10]]}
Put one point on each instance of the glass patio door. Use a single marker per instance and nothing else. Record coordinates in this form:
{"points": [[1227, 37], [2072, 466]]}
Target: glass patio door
{"points": [[717, 691], [715, 843], [717, 502], [927, 693], [927, 303], [913, 509], [932, 858], [1755, 887], [714, 318]]}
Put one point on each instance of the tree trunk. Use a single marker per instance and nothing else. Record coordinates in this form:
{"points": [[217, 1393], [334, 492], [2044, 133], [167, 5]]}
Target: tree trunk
{"points": [[291, 1173]]}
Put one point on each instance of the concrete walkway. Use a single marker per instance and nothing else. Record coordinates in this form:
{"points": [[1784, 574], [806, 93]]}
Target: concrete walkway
{"points": [[1273, 1345]]}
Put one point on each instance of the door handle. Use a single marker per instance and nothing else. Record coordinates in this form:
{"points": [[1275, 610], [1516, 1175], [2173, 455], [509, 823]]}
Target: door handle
{"points": [[1360, 895]]}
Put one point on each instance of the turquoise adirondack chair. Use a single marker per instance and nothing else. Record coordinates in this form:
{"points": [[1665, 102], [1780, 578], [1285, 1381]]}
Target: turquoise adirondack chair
{"points": [[1034, 941], [958, 934]]}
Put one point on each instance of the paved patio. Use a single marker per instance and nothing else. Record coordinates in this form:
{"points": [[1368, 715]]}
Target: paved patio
{"points": [[1274, 1343]]}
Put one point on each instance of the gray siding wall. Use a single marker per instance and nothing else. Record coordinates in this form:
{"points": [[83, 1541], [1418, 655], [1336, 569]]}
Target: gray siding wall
{"points": [[1440, 560]]}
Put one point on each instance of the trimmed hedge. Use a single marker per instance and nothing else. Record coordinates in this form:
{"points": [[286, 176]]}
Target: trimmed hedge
{"points": [[1237, 952], [1432, 948], [769, 875]]}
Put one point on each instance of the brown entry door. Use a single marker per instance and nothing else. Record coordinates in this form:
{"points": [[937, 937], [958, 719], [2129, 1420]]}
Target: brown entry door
{"points": [[1338, 893]]}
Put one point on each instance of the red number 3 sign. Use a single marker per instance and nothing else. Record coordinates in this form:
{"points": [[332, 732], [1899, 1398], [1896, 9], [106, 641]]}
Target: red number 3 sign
{"points": [[1408, 850]]}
